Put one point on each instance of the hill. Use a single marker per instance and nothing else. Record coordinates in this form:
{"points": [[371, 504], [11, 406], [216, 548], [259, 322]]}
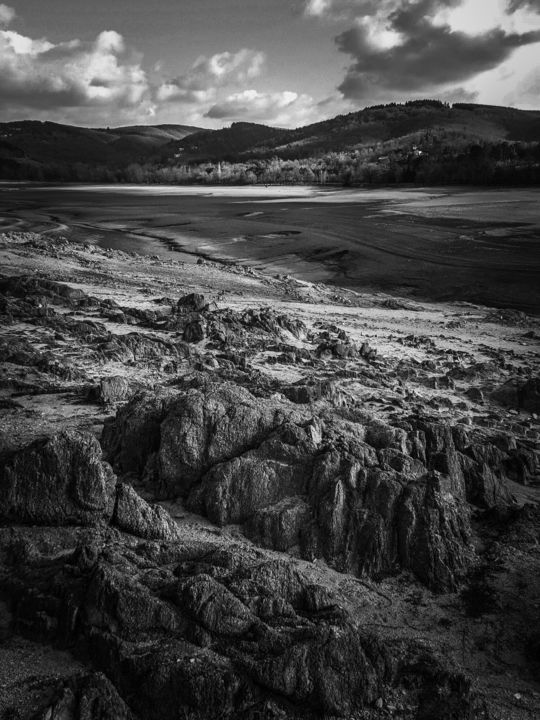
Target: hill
{"points": [[378, 124], [424, 141], [46, 145]]}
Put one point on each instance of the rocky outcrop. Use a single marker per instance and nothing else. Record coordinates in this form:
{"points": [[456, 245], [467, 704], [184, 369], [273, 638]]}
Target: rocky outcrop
{"points": [[116, 388], [368, 499], [206, 427], [519, 395], [194, 302], [271, 322], [63, 481], [133, 515], [86, 697], [131, 442], [206, 629], [58, 481]]}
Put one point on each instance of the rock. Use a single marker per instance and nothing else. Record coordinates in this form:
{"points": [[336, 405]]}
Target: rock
{"points": [[215, 607], [23, 286], [86, 697], [475, 394], [529, 395], [195, 331], [111, 390], [519, 395], [280, 526], [194, 302], [132, 514], [58, 481], [204, 428], [365, 506], [269, 321], [304, 393], [131, 439], [232, 491]]}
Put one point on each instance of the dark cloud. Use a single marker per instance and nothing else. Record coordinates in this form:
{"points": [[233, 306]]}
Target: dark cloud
{"points": [[514, 5], [428, 55]]}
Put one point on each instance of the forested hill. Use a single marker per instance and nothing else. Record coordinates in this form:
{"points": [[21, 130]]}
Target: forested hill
{"points": [[44, 147], [423, 141], [378, 124]]}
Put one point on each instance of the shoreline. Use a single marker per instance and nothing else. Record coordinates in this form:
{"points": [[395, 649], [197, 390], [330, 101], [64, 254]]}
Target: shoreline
{"points": [[443, 246]]}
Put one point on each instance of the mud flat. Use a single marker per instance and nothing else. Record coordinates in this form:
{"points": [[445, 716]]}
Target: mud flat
{"points": [[232, 494], [474, 245]]}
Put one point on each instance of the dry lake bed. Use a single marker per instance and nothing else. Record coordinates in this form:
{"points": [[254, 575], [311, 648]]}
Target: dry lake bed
{"points": [[475, 245]]}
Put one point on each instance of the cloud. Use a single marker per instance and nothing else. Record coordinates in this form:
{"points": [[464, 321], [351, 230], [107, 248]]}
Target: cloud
{"points": [[207, 74], [7, 14], [286, 109], [37, 75], [515, 5], [526, 91], [458, 95], [423, 54], [342, 9]]}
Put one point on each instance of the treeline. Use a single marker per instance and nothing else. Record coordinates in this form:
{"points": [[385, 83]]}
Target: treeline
{"points": [[431, 158]]}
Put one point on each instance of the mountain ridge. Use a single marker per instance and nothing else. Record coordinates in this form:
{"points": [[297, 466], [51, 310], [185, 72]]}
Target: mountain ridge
{"points": [[424, 141]]}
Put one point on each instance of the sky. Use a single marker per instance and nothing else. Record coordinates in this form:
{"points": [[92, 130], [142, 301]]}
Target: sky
{"points": [[280, 62]]}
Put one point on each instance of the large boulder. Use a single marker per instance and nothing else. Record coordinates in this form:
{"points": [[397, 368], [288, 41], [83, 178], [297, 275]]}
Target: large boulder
{"points": [[58, 481], [232, 491], [116, 388], [519, 395], [205, 427], [134, 434]]}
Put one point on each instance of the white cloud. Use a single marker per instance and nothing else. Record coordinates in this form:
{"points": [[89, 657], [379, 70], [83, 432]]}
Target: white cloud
{"points": [[284, 109], [200, 83], [99, 77], [7, 14], [317, 8]]}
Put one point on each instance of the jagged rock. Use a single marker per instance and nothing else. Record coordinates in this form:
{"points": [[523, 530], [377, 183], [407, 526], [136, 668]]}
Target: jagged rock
{"points": [[269, 321], [529, 395], [328, 667], [433, 534], [135, 433], [194, 331], [343, 349], [304, 393], [475, 394], [519, 395], [280, 526], [366, 498], [214, 607], [194, 302], [224, 634], [202, 429], [58, 481], [371, 500], [24, 285], [137, 347], [232, 491], [87, 697], [132, 514], [111, 390]]}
